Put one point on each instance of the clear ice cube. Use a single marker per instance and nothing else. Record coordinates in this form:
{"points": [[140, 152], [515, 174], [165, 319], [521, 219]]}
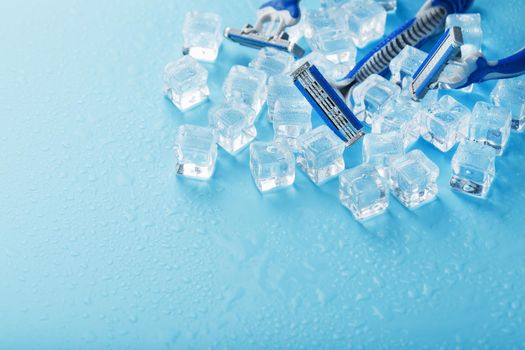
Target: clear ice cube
{"points": [[381, 149], [510, 93], [186, 83], [406, 63], [233, 124], [292, 118], [363, 191], [401, 115], [337, 46], [413, 179], [320, 154], [272, 165], [470, 24], [318, 20], [454, 71], [272, 61], [372, 95], [444, 123], [281, 87], [490, 125], [195, 151], [473, 168], [202, 35], [246, 85], [366, 20]]}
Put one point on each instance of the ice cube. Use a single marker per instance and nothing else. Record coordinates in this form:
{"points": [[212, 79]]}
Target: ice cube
{"points": [[444, 123], [455, 71], [470, 24], [202, 35], [233, 125], [246, 85], [413, 179], [186, 83], [195, 151], [490, 125], [337, 46], [328, 69], [272, 165], [372, 95], [406, 63], [281, 87], [473, 168], [389, 5], [366, 20], [321, 19], [363, 191], [292, 118], [320, 154], [333, 3], [401, 115], [381, 149], [510, 93], [272, 61]]}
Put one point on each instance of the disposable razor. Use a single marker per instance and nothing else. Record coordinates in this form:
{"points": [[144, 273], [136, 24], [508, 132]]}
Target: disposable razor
{"points": [[326, 98], [273, 18], [470, 68]]}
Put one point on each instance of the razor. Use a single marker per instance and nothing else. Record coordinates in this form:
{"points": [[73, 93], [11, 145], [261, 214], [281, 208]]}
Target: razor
{"points": [[273, 17], [328, 98], [472, 67]]}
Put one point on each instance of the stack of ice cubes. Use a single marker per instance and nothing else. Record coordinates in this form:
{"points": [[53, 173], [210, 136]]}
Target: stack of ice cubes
{"points": [[390, 164]]}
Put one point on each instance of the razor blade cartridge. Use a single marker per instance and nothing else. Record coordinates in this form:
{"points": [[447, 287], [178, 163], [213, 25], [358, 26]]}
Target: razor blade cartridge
{"points": [[447, 48], [250, 37], [328, 103]]}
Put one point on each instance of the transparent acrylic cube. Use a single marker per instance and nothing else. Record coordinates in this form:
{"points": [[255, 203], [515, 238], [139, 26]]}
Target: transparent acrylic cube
{"points": [[510, 93], [470, 24], [337, 46], [202, 35], [246, 85], [281, 87], [272, 165], [195, 151], [490, 125], [413, 179], [363, 191], [445, 123], [320, 154], [406, 63], [389, 5], [233, 124], [366, 20], [330, 70], [381, 149], [272, 61], [292, 118], [186, 83], [372, 95], [473, 168]]}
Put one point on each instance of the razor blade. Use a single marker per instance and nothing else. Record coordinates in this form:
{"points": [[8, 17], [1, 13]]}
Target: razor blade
{"points": [[250, 37], [328, 103], [447, 48]]}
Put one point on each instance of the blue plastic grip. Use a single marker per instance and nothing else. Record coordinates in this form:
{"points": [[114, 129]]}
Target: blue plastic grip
{"points": [[508, 67], [292, 6]]}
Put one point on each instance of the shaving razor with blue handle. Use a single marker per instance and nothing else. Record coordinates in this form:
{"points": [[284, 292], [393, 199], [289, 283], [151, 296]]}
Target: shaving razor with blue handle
{"points": [[273, 17], [326, 98]]}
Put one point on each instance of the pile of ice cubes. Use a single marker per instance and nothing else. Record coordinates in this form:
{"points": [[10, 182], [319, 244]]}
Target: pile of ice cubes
{"points": [[390, 163]]}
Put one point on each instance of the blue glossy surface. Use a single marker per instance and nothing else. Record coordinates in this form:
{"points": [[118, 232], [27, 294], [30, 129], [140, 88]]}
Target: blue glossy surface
{"points": [[101, 246]]}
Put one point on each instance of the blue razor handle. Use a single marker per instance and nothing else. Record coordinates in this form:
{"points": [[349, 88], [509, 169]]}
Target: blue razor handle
{"points": [[292, 6], [508, 67], [429, 20]]}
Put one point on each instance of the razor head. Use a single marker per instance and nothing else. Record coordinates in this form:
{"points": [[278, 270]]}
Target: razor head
{"points": [[447, 48], [328, 103], [249, 37]]}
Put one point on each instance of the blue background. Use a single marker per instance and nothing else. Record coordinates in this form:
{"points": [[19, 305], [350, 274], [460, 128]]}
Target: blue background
{"points": [[102, 246]]}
